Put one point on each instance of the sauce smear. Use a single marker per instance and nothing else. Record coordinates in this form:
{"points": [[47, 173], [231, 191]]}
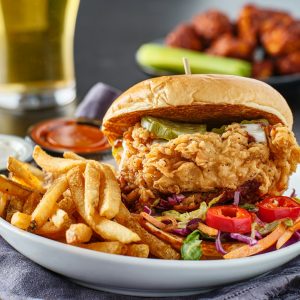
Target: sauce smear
{"points": [[69, 134]]}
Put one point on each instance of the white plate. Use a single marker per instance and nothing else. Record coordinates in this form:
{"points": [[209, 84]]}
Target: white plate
{"points": [[143, 277]]}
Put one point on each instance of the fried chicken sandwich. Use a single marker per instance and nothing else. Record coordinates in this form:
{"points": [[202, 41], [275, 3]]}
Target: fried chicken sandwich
{"points": [[187, 139]]}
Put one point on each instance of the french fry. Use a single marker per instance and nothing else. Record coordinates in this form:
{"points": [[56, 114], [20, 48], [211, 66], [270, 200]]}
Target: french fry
{"points": [[107, 247], [67, 204], [138, 250], [157, 247], [111, 193], [22, 171], [110, 204], [110, 166], [113, 231], [18, 180], [3, 203], [12, 188], [47, 205], [31, 202], [55, 165], [15, 204], [21, 220], [61, 219], [107, 229], [36, 171], [261, 245], [72, 155], [78, 233], [92, 178], [51, 231]]}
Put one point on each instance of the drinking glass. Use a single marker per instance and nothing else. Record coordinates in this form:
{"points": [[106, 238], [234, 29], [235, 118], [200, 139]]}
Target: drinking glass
{"points": [[36, 53]]}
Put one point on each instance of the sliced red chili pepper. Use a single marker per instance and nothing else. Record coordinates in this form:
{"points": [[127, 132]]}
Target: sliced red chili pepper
{"points": [[279, 207], [229, 218]]}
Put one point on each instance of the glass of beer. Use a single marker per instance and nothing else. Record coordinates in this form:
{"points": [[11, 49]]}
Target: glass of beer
{"points": [[36, 53]]}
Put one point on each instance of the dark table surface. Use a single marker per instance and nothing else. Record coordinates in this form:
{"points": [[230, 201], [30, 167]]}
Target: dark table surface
{"points": [[109, 32]]}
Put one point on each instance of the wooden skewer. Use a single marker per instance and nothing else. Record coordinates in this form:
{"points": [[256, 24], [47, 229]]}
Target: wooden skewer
{"points": [[186, 64]]}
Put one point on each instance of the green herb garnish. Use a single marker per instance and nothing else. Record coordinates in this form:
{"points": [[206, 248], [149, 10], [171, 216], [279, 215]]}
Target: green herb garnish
{"points": [[269, 227]]}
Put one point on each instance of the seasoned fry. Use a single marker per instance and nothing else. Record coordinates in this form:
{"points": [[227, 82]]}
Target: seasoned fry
{"points": [[21, 220], [110, 204], [157, 247], [92, 177], [51, 231], [54, 164], [111, 167], [47, 205], [3, 203], [31, 203], [19, 180], [107, 229], [12, 188], [72, 155], [15, 204], [107, 247], [61, 219], [262, 244], [67, 204], [36, 171], [22, 171], [78, 233], [113, 231], [138, 250]]}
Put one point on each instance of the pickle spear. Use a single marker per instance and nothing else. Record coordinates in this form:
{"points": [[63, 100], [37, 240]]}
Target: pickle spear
{"points": [[170, 59], [169, 130]]}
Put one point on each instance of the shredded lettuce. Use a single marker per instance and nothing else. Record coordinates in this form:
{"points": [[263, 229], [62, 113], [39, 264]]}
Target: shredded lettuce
{"points": [[268, 227], [215, 200], [253, 229], [249, 207], [187, 216]]}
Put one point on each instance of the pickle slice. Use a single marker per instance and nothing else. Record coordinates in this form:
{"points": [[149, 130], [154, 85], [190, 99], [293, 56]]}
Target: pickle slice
{"points": [[258, 121], [220, 130], [169, 130]]}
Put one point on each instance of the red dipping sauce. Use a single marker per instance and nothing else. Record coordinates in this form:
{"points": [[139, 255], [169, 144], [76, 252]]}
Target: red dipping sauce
{"points": [[82, 136]]}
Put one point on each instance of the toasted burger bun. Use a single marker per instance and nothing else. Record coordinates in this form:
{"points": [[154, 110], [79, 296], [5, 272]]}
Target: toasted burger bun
{"points": [[210, 99]]}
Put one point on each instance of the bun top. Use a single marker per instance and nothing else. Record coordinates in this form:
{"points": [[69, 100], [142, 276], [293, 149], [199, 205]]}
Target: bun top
{"points": [[210, 99]]}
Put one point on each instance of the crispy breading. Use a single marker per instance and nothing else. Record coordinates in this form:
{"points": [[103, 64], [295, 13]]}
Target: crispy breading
{"points": [[203, 162]]}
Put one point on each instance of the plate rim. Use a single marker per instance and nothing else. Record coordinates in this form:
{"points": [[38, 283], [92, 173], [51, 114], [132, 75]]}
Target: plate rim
{"points": [[149, 262]]}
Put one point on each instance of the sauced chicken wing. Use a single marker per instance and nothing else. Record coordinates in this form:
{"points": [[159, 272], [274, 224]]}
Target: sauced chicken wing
{"points": [[262, 69], [204, 162], [211, 24], [254, 21], [282, 40], [289, 64], [184, 36], [228, 45]]}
